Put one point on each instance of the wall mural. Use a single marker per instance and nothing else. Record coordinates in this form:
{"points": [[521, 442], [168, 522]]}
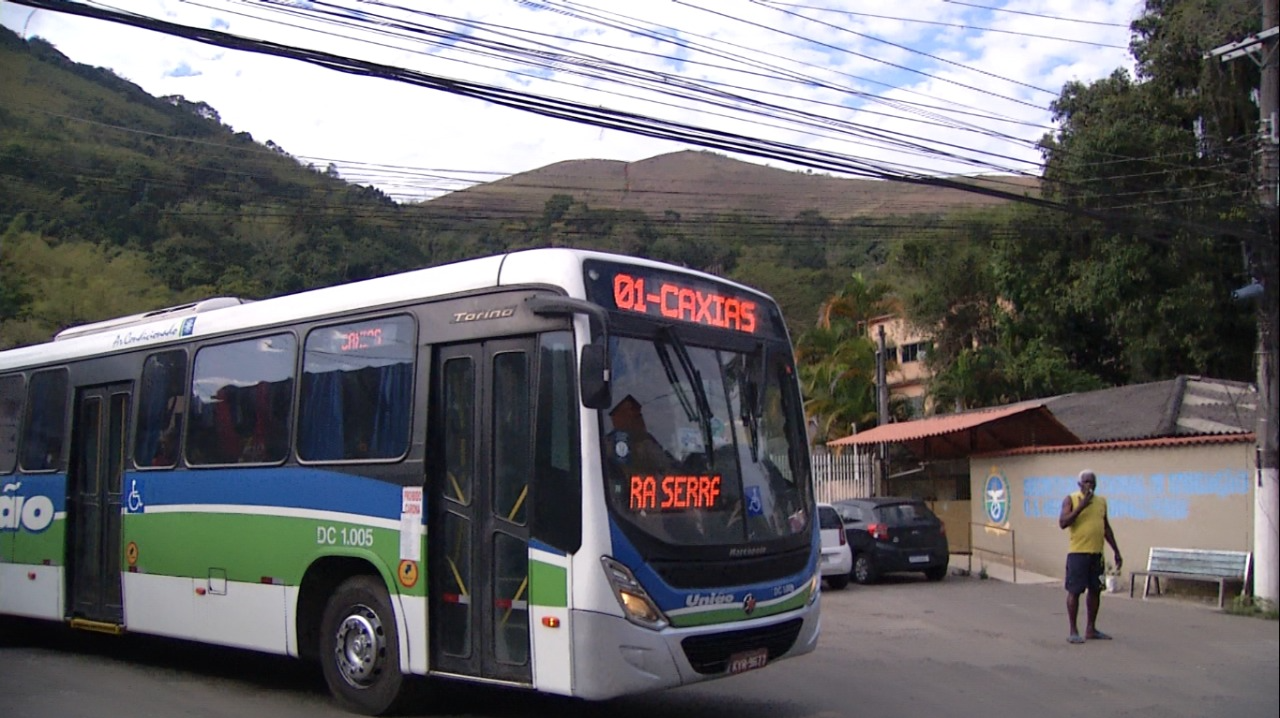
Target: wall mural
{"points": [[1160, 496]]}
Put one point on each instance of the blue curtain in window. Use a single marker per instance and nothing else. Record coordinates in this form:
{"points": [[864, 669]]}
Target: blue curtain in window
{"points": [[151, 423], [322, 426], [391, 421]]}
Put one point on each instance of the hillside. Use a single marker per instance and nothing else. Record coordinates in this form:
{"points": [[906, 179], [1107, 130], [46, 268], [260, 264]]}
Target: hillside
{"points": [[114, 202], [693, 183]]}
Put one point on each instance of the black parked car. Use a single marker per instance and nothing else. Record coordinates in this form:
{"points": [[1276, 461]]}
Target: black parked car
{"points": [[893, 535]]}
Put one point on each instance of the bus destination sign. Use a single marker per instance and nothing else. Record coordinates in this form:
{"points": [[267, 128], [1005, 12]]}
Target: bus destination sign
{"points": [[674, 493], [671, 299]]}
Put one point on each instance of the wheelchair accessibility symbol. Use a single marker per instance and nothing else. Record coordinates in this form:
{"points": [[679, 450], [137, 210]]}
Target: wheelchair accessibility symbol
{"points": [[755, 504], [133, 503]]}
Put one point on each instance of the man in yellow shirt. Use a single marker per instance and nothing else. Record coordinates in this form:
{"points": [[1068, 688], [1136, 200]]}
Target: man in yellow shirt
{"points": [[1084, 515]]}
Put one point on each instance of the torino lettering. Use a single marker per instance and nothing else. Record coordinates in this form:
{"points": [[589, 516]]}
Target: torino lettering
{"points": [[33, 513]]}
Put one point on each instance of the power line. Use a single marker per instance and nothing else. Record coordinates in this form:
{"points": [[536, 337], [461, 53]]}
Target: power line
{"points": [[872, 58], [915, 51], [672, 85], [945, 24], [598, 116], [1036, 14]]}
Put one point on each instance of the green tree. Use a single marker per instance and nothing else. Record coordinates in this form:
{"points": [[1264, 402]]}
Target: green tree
{"points": [[837, 361], [1146, 297], [75, 283]]}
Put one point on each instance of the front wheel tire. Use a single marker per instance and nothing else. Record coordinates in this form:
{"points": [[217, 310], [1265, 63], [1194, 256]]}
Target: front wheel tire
{"points": [[838, 583], [360, 651]]}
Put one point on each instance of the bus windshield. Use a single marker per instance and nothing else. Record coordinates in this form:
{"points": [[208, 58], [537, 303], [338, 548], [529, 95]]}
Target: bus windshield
{"points": [[704, 446]]}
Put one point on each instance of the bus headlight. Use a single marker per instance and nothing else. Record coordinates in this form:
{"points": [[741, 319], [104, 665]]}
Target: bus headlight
{"points": [[815, 586], [635, 601]]}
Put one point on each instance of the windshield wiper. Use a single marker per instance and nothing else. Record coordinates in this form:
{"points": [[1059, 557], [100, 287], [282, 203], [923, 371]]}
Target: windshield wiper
{"points": [[669, 369], [699, 391], [752, 399]]}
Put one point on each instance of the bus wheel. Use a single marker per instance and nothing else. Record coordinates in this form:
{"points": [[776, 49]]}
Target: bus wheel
{"points": [[360, 653]]}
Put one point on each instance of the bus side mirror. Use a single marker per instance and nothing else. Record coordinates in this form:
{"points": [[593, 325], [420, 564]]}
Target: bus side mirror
{"points": [[593, 376]]}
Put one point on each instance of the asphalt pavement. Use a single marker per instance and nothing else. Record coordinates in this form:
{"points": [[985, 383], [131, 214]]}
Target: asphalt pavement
{"points": [[968, 646]]}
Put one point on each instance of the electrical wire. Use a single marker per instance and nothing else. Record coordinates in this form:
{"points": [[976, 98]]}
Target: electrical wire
{"points": [[936, 23]]}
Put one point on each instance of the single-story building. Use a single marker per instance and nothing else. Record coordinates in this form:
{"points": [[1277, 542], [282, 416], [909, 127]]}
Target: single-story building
{"points": [[1174, 460]]}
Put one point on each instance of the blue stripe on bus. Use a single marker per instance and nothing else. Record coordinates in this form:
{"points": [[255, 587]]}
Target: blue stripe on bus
{"points": [[669, 598], [53, 486], [539, 546], [286, 487]]}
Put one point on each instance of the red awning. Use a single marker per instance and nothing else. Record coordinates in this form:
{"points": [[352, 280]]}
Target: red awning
{"points": [[954, 436]]}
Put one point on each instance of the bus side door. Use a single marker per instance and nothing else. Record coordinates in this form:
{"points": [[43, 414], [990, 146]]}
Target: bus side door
{"points": [[94, 490], [478, 482]]}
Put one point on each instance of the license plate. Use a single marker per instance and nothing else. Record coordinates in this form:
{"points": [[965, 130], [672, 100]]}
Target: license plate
{"points": [[748, 660], [919, 559]]}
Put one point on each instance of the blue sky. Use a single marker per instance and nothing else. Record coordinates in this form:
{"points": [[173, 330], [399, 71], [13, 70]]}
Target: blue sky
{"points": [[918, 86]]}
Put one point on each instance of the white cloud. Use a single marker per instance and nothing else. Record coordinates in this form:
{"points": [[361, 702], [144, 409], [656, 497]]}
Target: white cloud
{"points": [[765, 51]]}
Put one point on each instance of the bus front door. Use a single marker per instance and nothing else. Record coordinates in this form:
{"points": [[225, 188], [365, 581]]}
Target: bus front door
{"points": [[94, 481], [478, 533]]}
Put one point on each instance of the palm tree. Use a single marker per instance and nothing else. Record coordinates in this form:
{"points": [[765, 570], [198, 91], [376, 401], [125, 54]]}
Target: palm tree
{"points": [[837, 360]]}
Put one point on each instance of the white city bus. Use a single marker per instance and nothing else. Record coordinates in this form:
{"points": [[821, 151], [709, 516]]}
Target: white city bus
{"points": [[566, 471]]}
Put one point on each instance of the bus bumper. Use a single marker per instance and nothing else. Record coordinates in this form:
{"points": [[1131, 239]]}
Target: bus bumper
{"points": [[613, 657]]}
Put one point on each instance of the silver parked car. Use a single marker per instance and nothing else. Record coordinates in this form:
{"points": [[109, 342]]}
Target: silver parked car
{"points": [[837, 559]]}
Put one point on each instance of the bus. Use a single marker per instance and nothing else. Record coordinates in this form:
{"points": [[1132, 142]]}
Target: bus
{"points": [[560, 470]]}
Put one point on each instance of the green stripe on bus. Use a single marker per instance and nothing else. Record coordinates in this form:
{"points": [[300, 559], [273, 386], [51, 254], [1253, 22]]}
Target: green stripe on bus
{"points": [[548, 585], [45, 547], [253, 547]]}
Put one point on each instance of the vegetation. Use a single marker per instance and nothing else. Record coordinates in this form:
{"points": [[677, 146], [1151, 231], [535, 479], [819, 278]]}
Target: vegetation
{"points": [[1253, 606], [113, 201], [106, 191], [1025, 302], [838, 361]]}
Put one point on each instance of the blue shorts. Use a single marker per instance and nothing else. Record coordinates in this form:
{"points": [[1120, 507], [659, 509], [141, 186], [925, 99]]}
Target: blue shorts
{"points": [[1084, 573]]}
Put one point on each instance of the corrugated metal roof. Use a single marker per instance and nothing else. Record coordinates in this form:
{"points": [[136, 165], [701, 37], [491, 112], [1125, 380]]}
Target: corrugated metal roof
{"points": [[1184, 406], [1159, 443], [932, 426], [1184, 410], [960, 435]]}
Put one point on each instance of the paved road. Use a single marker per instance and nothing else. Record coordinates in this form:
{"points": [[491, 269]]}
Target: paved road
{"points": [[961, 648]]}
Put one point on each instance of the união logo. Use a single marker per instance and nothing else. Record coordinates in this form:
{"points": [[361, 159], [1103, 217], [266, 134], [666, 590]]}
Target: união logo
{"points": [[995, 497], [694, 600], [33, 513]]}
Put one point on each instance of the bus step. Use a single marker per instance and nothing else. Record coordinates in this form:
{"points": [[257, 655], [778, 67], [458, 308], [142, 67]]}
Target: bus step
{"points": [[85, 624]]}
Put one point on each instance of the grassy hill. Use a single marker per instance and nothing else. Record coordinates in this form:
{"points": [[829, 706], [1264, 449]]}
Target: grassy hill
{"points": [[694, 183]]}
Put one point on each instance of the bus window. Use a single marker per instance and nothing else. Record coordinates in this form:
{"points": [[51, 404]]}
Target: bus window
{"points": [[557, 494], [357, 391], [161, 406], [459, 400], [46, 421], [241, 394], [10, 416], [512, 425]]}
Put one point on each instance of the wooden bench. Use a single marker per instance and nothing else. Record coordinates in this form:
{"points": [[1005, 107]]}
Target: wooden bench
{"points": [[1193, 565]]}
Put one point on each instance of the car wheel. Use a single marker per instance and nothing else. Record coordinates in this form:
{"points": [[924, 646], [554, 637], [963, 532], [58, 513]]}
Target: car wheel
{"points": [[837, 583], [360, 651], [864, 569], [937, 573]]}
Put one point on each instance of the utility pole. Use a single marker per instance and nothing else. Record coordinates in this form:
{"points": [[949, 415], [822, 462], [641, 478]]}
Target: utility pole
{"points": [[1266, 521], [882, 406], [1262, 258]]}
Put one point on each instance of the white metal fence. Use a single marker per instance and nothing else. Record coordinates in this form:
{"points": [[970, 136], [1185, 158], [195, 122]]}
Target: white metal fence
{"points": [[849, 474]]}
